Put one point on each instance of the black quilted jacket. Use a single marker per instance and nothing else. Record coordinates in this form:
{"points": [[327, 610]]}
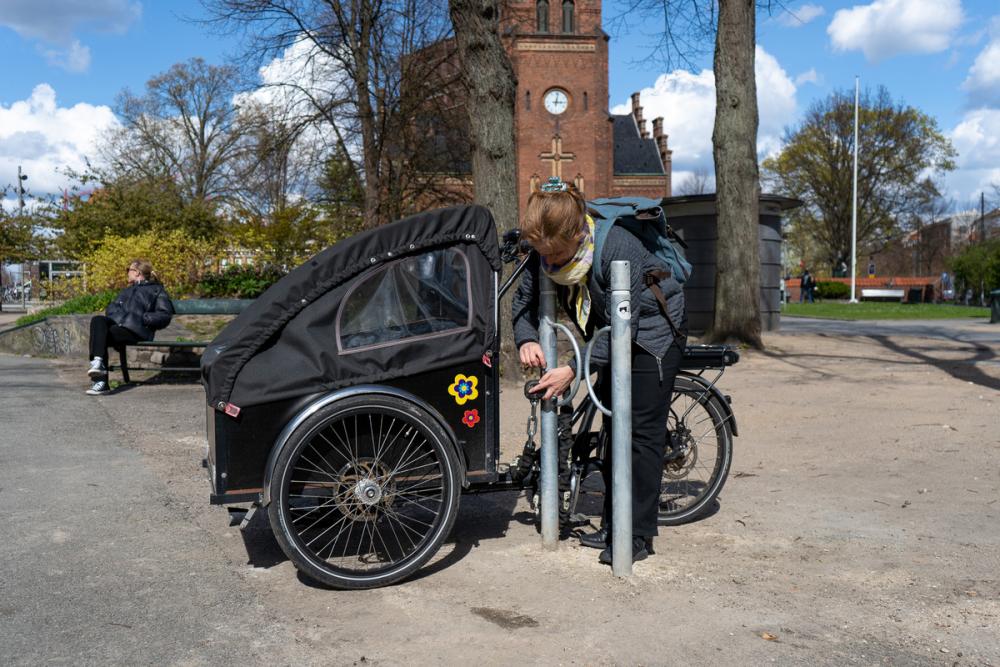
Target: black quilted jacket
{"points": [[142, 309]]}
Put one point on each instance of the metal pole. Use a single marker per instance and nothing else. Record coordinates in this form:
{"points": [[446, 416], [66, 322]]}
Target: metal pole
{"points": [[549, 425], [20, 190], [982, 239], [621, 420], [854, 204]]}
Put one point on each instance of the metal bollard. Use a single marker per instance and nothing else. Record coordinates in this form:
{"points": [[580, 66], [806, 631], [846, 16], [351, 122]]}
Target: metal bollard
{"points": [[621, 419], [549, 425]]}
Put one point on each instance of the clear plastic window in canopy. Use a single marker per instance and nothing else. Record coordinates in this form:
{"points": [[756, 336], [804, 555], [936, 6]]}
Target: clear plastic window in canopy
{"points": [[415, 297]]}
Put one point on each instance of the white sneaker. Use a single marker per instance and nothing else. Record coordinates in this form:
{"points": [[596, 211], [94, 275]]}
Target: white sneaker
{"points": [[99, 389], [97, 368]]}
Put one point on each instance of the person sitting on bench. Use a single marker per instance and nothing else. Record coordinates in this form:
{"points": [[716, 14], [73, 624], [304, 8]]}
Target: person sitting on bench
{"points": [[136, 313]]}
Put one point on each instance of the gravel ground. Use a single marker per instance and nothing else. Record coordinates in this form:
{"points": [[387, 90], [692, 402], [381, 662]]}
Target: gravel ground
{"points": [[859, 526]]}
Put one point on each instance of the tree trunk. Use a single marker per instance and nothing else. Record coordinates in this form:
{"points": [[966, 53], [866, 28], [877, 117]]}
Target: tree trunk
{"points": [[361, 46], [734, 145], [489, 79]]}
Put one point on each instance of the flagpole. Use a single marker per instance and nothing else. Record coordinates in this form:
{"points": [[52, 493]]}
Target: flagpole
{"points": [[854, 204]]}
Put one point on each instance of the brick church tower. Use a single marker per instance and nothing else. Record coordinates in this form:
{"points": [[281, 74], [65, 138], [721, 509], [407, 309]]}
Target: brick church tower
{"points": [[560, 56]]}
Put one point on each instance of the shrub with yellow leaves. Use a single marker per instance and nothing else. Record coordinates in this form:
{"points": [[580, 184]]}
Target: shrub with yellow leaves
{"points": [[178, 260]]}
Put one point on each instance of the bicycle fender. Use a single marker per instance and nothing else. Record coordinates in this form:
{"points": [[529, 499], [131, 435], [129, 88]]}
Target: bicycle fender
{"points": [[721, 398]]}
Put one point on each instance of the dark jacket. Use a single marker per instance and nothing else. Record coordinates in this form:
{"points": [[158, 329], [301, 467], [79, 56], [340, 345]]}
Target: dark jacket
{"points": [[142, 309], [650, 329]]}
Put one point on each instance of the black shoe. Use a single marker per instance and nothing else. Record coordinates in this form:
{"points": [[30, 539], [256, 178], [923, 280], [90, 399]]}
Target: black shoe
{"points": [[596, 540], [639, 551]]}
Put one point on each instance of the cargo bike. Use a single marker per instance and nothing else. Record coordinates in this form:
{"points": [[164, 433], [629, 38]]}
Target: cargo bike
{"points": [[358, 398]]}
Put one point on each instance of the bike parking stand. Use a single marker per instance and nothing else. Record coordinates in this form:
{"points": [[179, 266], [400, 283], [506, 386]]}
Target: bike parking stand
{"points": [[621, 414]]}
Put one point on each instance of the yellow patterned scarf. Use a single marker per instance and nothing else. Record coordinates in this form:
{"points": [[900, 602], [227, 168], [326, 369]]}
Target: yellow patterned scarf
{"points": [[574, 272]]}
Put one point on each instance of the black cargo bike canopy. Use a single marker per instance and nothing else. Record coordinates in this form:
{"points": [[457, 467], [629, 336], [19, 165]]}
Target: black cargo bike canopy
{"points": [[408, 297]]}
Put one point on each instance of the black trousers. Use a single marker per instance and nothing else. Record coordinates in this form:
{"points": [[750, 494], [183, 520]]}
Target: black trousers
{"points": [[105, 333], [652, 385]]}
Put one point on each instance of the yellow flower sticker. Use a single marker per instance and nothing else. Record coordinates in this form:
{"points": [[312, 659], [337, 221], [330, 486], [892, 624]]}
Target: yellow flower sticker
{"points": [[464, 389]]}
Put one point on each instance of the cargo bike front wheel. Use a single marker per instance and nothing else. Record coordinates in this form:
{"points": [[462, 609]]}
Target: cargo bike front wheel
{"points": [[364, 492]]}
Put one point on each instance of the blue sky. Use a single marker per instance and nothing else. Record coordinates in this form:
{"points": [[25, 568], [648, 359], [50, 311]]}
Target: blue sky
{"points": [[67, 59]]}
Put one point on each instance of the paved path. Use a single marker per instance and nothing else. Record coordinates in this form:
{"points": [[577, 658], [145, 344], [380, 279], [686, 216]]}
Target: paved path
{"points": [[99, 566], [967, 331], [8, 318]]}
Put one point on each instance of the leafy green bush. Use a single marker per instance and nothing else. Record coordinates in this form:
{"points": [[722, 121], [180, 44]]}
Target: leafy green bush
{"points": [[88, 303], [829, 289], [978, 265], [238, 282]]}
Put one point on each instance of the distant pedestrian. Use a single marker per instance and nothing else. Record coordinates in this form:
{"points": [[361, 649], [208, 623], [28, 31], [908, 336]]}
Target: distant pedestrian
{"points": [[807, 287], [135, 315], [947, 287]]}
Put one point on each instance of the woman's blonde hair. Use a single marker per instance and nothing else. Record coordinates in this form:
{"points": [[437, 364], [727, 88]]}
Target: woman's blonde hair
{"points": [[145, 268], [553, 218]]}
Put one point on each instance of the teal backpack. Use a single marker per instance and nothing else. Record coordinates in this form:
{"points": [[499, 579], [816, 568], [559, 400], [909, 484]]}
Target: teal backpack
{"points": [[644, 219]]}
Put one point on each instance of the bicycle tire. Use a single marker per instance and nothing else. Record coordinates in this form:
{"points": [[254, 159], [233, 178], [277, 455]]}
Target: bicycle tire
{"points": [[703, 431], [377, 447]]}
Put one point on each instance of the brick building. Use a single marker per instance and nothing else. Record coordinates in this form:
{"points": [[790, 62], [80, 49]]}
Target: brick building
{"points": [[563, 128]]}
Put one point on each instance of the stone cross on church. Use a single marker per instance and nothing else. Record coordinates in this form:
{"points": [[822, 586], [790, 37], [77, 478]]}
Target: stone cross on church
{"points": [[556, 156]]}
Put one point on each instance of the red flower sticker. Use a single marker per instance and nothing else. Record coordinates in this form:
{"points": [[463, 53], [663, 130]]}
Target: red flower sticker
{"points": [[471, 418]]}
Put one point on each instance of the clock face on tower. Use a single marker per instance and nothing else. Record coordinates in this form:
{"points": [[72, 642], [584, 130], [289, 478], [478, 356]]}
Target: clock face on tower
{"points": [[556, 101]]}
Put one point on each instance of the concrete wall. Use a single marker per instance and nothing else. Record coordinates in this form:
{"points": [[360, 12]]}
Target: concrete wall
{"points": [[63, 336]]}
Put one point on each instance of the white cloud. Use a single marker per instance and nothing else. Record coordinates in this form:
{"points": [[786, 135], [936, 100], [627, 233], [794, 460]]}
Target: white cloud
{"points": [[983, 82], [977, 140], [74, 59], [55, 23], [687, 103], [809, 76], [799, 16], [886, 28], [300, 75], [43, 137]]}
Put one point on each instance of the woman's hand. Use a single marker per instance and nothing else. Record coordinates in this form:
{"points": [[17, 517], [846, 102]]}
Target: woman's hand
{"points": [[531, 355], [555, 382]]}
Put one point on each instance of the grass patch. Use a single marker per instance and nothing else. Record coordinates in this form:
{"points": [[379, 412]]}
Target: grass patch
{"points": [[203, 327], [88, 303], [876, 310]]}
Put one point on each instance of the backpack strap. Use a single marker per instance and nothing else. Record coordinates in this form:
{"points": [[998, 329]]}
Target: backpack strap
{"points": [[602, 227], [652, 280]]}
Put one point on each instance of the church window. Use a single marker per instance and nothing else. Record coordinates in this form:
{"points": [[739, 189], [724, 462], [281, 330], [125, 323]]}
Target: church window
{"points": [[542, 15], [567, 16], [527, 100], [586, 103]]}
